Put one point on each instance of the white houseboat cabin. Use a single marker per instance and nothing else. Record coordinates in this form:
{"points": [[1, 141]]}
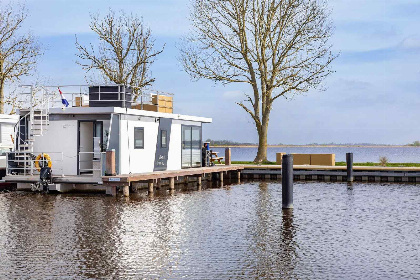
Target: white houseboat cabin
{"points": [[146, 137], [7, 127]]}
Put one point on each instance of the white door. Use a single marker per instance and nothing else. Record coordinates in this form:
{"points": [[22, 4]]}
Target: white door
{"points": [[85, 147]]}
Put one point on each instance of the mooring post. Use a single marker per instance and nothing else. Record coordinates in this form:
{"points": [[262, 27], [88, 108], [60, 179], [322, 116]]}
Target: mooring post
{"points": [[287, 181], [111, 190], [221, 176], [150, 184], [228, 156], [199, 180], [349, 160], [172, 183], [126, 191], [110, 163], [239, 177]]}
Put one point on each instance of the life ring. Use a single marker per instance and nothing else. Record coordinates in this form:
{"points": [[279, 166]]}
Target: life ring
{"points": [[42, 158]]}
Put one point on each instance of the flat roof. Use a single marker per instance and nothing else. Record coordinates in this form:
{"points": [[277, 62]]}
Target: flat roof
{"points": [[125, 111], [4, 118]]}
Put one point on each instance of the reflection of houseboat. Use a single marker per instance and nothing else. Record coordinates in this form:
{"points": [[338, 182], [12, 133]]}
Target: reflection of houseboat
{"points": [[7, 126], [146, 137]]}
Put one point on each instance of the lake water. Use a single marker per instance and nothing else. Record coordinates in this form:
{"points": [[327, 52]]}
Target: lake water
{"points": [[360, 154], [240, 232]]}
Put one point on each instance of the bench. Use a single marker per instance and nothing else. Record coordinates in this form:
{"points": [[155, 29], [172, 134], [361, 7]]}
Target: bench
{"points": [[218, 159]]}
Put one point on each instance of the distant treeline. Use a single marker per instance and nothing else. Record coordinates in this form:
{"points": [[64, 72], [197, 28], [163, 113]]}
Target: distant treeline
{"points": [[233, 143], [228, 143], [415, 143]]}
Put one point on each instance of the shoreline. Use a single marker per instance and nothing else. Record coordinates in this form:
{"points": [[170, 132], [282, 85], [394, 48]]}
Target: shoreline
{"points": [[316, 146]]}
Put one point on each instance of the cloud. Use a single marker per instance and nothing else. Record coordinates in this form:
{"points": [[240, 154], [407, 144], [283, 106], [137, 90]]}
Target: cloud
{"points": [[350, 84], [233, 95], [411, 43]]}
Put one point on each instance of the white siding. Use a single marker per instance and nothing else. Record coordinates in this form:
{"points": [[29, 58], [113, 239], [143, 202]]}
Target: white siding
{"points": [[174, 156], [138, 160], [6, 130], [61, 136]]}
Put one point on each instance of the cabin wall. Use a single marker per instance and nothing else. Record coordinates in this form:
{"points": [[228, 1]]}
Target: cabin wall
{"points": [[137, 160], [6, 130], [174, 156], [145, 160], [61, 136]]}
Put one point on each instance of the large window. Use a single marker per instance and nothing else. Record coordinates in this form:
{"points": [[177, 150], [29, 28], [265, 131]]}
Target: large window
{"points": [[191, 146], [138, 138]]}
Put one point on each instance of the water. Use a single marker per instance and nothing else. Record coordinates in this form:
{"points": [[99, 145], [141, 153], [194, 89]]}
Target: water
{"points": [[238, 232], [360, 154]]}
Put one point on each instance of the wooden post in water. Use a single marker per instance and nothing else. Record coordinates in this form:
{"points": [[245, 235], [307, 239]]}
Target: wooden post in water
{"points": [[111, 190], [228, 156], [239, 177], [126, 191], [150, 184], [110, 163], [221, 177], [349, 160], [287, 181], [172, 183]]}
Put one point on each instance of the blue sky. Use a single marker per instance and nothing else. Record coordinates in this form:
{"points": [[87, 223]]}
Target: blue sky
{"points": [[374, 96]]}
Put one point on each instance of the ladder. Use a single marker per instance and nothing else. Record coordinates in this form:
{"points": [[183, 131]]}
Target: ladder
{"points": [[32, 124]]}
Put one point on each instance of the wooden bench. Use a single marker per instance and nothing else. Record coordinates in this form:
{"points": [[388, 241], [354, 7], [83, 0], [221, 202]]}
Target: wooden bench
{"points": [[218, 159]]}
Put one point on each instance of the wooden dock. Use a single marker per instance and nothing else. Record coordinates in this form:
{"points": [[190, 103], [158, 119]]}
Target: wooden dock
{"points": [[335, 173], [112, 183]]}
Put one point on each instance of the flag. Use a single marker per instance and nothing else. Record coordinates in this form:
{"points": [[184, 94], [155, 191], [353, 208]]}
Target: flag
{"points": [[63, 99]]}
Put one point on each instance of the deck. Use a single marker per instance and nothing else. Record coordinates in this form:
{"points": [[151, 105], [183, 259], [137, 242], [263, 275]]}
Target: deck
{"points": [[335, 173], [122, 180]]}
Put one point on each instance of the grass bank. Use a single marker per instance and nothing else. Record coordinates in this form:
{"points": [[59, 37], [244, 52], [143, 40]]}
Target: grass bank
{"points": [[343, 163]]}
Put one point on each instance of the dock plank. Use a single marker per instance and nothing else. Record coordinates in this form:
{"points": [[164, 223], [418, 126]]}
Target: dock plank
{"points": [[128, 178]]}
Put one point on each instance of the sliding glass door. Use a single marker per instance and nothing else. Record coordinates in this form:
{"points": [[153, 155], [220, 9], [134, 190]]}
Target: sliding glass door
{"points": [[191, 146]]}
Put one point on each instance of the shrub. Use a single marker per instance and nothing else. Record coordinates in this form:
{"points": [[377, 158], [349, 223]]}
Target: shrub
{"points": [[383, 161]]}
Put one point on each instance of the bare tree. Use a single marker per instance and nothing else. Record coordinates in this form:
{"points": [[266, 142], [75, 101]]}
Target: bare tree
{"points": [[278, 47], [125, 52], [18, 53]]}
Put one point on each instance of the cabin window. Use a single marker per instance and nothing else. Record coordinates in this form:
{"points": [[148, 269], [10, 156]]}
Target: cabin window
{"points": [[191, 146], [163, 138], [138, 138]]}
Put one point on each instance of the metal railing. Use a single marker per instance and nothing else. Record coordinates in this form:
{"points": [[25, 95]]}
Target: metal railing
{"points": [[24, 163], [96, 159], [78, 95]]}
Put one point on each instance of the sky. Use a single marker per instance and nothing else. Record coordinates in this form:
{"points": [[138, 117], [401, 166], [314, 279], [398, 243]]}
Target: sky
{"points": [[373, 96]]}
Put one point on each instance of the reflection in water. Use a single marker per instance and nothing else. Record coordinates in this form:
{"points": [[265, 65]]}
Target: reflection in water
{"points": [[235, 233]]}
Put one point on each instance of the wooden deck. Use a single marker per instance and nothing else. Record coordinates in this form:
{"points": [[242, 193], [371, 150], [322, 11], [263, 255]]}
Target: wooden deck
{"points": [[124, 180]]}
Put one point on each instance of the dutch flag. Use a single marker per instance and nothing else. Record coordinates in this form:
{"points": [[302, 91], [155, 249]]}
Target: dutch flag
{"points": [[63, 99]]}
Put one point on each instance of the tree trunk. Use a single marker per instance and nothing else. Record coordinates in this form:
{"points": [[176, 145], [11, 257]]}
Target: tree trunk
{"points": [[1, 97], [262, 143]]}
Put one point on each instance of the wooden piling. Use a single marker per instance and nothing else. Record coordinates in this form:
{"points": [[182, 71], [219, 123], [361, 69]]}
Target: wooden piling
{"points": [[110, 163], [172, 183], [239, 177], [150, 184], [111, 190], [221, 176], [228, 156], [126, 191]]}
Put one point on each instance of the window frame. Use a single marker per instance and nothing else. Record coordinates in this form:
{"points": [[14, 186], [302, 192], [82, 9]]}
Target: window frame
{"points": [[135, 146], [162, 143]]}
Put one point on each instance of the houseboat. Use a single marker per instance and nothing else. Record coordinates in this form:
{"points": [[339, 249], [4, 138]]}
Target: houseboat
{"points": [[7, 127], [72, 138]]}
